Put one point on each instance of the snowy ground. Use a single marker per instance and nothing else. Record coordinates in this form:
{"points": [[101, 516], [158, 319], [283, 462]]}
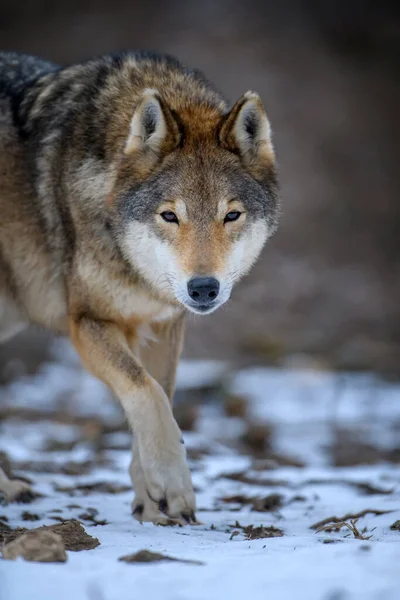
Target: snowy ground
{"points": [[298, 425]]}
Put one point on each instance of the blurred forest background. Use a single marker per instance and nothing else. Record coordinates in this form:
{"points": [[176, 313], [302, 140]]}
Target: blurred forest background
{"points": [[328, 284]]}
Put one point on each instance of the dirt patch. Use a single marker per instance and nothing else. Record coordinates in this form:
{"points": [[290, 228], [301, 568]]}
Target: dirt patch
{"points": [[257, 439], [273, 460], [370, 490], [71, 532], [27, 516], [44, 466], [186, 415], [74, 536], [243, 477], [235, 405], [145, 556], [348, 450], [257, 533], [259, 504], [55, 445], [91, 516], [100, 487], [90, 427], [197, 453], [364, 487], [297, 499], [38, 545], [5, 531], [395, 526]]}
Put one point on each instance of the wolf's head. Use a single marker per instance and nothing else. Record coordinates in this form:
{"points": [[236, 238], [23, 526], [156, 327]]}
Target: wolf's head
{"points": [[196, 197]]}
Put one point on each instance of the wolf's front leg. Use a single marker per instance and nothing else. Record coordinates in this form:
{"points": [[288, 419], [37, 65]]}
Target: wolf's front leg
{"points": [[161, 453]]}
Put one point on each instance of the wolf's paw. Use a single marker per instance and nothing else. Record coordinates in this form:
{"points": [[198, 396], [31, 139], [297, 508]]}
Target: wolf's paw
{"points": [[162, 498], [170, 491], [145, 510]]}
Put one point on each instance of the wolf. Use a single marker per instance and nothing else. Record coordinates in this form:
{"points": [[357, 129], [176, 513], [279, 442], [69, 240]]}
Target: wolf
{"points": [[131, 193]]}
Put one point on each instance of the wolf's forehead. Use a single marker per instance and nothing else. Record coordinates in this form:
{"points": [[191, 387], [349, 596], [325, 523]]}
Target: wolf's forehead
{"points": [[203, 184]]}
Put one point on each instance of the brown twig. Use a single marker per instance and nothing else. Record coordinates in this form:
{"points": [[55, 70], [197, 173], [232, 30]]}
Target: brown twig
{"points": [[352, 516], [352, 526]]}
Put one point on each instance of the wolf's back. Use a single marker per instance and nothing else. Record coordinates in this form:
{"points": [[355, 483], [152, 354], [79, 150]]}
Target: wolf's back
{"points": [[20, 70]]}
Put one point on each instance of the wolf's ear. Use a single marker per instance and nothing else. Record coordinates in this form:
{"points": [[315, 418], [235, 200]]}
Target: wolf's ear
{"points": [[247, 132], [153, 127]]}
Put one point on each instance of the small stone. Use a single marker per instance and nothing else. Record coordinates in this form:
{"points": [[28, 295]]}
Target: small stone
{"points": [[37, 546]]}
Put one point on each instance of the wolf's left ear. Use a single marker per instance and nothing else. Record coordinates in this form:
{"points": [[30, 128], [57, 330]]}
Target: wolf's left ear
{"points": [[247, 132], [153, 127]]}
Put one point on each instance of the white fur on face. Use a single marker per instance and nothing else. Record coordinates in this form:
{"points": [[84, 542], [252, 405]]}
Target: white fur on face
{"points": [[242, 257], [157, 263], [247, 250], [154, 259]]}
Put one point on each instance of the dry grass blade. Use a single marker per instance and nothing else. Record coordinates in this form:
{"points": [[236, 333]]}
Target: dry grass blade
{"points": [[349, 516], [339, 524]]}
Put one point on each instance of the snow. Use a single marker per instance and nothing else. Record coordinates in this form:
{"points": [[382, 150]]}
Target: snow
{"points": [[301, 407]]}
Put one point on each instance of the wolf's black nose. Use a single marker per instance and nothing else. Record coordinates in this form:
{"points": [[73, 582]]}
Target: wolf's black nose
{"points": [[203, 290]]}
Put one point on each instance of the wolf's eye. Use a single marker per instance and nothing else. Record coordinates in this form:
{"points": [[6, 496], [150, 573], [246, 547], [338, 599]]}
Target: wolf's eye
{"points": [[169, 216], [232, 216]]}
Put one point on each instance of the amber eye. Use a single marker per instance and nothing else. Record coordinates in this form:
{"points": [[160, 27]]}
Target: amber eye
{"points": [[169, 216], [232, 216]]}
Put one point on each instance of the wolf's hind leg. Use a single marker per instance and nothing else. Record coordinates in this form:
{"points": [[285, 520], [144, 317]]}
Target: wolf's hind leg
{"points": [[160, 357]]}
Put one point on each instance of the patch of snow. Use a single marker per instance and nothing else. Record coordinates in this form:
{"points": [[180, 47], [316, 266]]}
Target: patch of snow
{"points": [[301, 407]]}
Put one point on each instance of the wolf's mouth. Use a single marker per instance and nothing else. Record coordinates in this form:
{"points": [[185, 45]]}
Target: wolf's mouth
{"points": [[202, 309]]}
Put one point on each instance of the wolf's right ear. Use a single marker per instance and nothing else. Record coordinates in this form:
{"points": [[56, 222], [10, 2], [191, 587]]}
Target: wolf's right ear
{"points": [[153, 129], [246, 131]]}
